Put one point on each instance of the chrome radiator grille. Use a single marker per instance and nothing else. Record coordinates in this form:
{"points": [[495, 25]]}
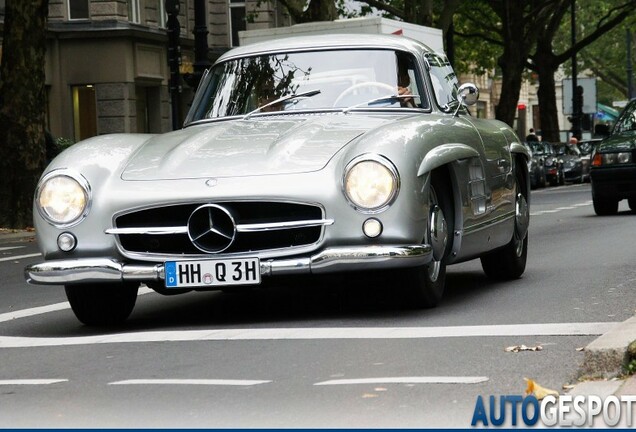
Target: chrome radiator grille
{"points": [[228, 227]]}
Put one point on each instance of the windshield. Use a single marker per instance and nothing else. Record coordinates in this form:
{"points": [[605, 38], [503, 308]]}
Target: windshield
{"points": [[336, 79], [539, 149], [627, 119]]}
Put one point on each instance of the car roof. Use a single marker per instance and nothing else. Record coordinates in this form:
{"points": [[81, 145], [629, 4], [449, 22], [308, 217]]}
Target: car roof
{"points": [[320, 42]]}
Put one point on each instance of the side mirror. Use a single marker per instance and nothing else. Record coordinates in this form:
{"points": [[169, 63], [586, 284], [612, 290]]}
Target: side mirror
{"points": [[468, 94]]}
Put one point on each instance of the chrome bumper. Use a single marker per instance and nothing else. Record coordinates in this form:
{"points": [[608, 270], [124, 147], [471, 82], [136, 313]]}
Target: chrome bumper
{"points": [[60, 272]]}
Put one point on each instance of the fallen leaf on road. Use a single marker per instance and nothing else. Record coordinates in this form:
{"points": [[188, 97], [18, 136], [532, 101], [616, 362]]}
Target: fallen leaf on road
{"points": [[580, 349], [539, 391], [517, 348], [369, 395]]}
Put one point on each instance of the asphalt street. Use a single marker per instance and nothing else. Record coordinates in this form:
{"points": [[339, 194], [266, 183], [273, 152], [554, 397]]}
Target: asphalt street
{"points": [[330, 352]]}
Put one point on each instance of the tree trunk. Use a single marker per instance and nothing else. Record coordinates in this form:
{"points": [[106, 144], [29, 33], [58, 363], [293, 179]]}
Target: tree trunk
{"points": [[548, 112], [22, 109], [512, 67]]}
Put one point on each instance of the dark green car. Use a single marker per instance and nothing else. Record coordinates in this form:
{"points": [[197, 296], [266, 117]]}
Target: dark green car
{"points": [[613, 171]]}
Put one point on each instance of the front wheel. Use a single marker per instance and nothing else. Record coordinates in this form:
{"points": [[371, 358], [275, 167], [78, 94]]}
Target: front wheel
{"points": [[604, 206], [102, 304], [509, 262], [425, 284]]}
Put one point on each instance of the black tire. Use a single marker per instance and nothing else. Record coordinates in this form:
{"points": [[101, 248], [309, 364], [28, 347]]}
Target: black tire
{"points": [[604, 206], [102, 304], [425, 284], [509, 262]]}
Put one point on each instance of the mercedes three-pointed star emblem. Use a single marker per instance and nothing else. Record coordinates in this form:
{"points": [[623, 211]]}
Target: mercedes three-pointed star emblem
{"points": [[211, 228]]}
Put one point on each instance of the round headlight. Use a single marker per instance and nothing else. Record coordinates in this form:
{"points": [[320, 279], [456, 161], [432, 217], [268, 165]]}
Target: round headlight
{"points": [[370, 183], [62, 198]]}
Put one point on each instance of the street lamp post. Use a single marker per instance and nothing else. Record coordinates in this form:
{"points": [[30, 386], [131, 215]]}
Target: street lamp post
{"points": [[630, 83], [174, 59], [201, 61], [577, 99]]}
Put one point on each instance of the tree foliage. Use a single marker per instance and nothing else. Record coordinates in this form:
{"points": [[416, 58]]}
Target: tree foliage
{"points": [[22, 109], [595, 19]]}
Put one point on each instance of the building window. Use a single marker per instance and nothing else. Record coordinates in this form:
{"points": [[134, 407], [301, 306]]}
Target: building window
{"points": [[133, 11], [84, 112], [77, 9], [148, 109], [161, 13], [237, 20]]}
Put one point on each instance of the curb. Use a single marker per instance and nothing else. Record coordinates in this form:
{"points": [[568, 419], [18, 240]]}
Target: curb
{"points": [[8, 235], [605, 356]]}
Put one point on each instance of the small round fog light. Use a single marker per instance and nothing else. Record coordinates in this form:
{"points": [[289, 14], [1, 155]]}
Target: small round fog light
{"points": [[372, 227], [66, 242]]}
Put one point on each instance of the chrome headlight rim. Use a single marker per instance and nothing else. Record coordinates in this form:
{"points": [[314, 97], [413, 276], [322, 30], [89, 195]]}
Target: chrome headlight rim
{"points": [[80, 180], [386, 163]]}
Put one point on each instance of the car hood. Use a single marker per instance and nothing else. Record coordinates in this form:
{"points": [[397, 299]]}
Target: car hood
{"points": [[258, 146], [618, 142]]}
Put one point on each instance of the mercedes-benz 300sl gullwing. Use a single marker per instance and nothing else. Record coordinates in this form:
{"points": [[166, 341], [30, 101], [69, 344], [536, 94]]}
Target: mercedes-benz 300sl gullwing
{"points": [[305, 156]]}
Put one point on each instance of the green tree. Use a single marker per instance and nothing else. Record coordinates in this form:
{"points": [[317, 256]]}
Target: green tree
{"points": [[606, 59], [596, 19], [22, 109], [303, 11]]}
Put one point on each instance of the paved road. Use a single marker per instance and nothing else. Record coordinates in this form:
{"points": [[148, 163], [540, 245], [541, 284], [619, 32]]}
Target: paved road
{"points": [[330, 353]]}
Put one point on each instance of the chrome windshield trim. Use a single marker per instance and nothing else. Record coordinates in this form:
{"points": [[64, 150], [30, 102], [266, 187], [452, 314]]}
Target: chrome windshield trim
{"points": [[283, 225]]}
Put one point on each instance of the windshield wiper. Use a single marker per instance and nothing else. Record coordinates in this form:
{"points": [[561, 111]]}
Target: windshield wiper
{"points": [[387, 98], [303, 95]]}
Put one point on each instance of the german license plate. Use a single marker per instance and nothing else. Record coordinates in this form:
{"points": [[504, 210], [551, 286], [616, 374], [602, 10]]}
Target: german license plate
{"points": [[244, 271]]}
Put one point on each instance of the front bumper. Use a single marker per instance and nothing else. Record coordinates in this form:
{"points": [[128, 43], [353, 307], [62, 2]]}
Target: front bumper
{"points": [[616, 182], [336, 259]]}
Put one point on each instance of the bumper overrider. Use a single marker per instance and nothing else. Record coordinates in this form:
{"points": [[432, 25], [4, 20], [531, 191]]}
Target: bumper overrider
{"points": [[330, 260]]}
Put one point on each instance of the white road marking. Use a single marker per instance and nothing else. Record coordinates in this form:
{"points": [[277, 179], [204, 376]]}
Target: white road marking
{"points": [[19, 257], [10, 247], [560, 209], [8, 316], [32, 381], [555, 329], [407, 380], [33, 311], [210, 382]]}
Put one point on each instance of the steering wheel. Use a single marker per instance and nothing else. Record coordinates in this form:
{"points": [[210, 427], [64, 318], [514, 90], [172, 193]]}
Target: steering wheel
{"points": [[370, 84]]}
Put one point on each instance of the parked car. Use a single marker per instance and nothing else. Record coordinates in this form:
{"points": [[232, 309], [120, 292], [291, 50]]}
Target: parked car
{"points": [[298, 156], [553, 165], [586, 147], [570, 158], [613, 171], [536, 165]]}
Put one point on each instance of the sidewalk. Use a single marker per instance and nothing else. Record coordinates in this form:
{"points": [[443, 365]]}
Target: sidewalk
{"points": [[603, 363], [7, 235]]}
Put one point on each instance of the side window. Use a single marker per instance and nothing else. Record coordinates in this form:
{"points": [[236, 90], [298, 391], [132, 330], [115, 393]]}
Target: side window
{"points": [[443, 79], [408, 81]]}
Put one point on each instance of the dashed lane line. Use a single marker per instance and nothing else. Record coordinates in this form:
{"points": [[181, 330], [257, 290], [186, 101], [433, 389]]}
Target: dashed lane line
{"points": [[560, 209], [9, 316], [6, 248], [407, 380], [19, 257], [10, 382], [209, 382], [255, 334]]}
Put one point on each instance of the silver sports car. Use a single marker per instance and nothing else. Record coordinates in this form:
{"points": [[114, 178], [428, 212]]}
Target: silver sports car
{"points": [[307, 155]]}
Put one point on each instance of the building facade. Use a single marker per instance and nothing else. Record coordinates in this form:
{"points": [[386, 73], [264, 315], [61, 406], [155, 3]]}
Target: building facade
{"points": [[106, 61]]}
